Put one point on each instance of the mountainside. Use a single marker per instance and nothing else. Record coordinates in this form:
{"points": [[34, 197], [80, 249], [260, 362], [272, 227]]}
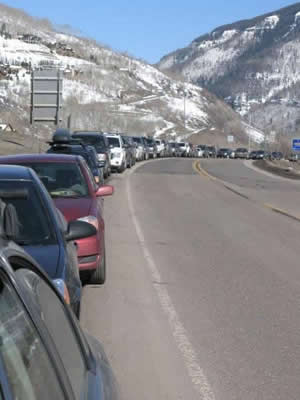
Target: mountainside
{"points": [[103, 89], [253, 65]]}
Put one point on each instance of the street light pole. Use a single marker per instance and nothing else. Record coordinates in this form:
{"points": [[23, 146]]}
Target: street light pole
{"points": [[249, 136]]}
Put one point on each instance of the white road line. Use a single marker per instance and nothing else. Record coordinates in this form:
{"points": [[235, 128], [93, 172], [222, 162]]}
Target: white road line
{"points": [[179, 333]]}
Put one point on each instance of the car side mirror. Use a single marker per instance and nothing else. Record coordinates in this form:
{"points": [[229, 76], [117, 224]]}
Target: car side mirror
{"points": [[79, 230], [105, 190]]}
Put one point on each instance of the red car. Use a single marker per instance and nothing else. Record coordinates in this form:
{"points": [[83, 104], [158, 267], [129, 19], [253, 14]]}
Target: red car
{"points": [[76, 194]]}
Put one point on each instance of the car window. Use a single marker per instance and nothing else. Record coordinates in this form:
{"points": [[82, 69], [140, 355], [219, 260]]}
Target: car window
{"points": [[114, 141], [27, 365], [34, 225], [63, 335], [61, 179]]}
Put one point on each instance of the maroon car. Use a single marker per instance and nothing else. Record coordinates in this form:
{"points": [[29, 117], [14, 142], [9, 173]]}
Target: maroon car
{"points": [[76, 194]]}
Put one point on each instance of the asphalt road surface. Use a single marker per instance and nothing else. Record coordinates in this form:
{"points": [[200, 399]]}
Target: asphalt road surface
{"points": [[203, 293]]}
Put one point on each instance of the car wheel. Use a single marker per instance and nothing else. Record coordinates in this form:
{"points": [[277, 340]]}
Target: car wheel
{"points": [[98, 276], [122, 168]]}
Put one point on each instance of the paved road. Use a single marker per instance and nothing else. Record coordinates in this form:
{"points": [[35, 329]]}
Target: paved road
{"points": [[258, 185], [203, 295]]}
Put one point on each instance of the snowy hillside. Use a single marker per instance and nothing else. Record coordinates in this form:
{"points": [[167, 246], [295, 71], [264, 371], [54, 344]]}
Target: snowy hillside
{"points": [[103, 89], [252, 64]]}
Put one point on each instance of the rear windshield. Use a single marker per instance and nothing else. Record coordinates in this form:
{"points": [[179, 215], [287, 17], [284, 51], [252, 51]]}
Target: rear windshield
{"points": [[34, 226], [137, 140], [114, 141], [97, 141], [62, 179]]}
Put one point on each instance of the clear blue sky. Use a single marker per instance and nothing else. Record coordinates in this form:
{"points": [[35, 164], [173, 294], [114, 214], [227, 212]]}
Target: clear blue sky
{"points": [[146, 29]]}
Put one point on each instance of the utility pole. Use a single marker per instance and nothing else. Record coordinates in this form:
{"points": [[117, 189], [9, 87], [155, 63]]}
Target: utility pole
{"points": [[249, 136], [184, 105]]}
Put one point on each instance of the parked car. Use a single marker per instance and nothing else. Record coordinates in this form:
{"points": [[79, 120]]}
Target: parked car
{"points": [[41, 229], [211, 151], [175, 149], [252, 155], [223, 153], [119, 154], [140, 150], [44, 353], [232, 154], [261, 155], [168, 149], [152, 148], [146, 147], [63, 143], [160, 147], [75, 193], [241, 152], [277, 155], [131, 147], [99, 141], [293, 157], [183, 147]]}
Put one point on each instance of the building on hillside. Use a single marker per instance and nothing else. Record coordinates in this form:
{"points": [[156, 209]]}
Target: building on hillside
{"points": [[6, 127]]}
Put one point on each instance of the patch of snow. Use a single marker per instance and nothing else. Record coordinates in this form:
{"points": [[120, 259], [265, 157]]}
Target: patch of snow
{"points": [[83, 93], [255, 134], [271, 21]]}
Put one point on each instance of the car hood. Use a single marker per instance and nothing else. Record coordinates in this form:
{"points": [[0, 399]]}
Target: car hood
{"points": [[46, 256], [74, 208]]}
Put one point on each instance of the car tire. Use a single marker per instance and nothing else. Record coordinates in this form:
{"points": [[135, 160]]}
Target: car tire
{"points": [[98, 276], [121, 168]]}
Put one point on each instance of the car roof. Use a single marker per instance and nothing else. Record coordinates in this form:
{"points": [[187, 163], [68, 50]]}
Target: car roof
{"points": [[15, 172], [45, 157], [88, 133]]}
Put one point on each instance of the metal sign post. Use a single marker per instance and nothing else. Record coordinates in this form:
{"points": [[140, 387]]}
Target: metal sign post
{"points": [[46, 96]]}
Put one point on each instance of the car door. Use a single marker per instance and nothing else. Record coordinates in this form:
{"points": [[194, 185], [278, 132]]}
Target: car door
{"points": [[29, 371]]}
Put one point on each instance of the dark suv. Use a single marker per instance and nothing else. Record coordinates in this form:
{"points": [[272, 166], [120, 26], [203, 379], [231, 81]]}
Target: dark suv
{"points": [[100, 142], [64, 143]]}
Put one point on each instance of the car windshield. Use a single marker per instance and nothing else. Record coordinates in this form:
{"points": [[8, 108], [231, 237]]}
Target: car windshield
{"points": [[137, 140], [94, 140], [62, 179], [242, 150], [150, 142], [34, 226], [182, 144], [114, 141], [224, 150]]}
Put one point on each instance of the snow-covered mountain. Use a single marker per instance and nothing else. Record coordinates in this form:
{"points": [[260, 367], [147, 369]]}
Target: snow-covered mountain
{"points": [[104, 89], [253, 65]]}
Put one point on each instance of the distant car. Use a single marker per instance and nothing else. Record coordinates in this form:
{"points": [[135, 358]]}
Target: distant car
{"points": [[152, 148], [44, 352], [224, 153], [160, 147], [211, 151], [261, 155], [41, 229], [277, 155], [118, 152], [252, 155], [184, 149], [241, 152], [100, 142], [71, 185], [176, 152], [131, 147], [140, 149], [293, 157]]}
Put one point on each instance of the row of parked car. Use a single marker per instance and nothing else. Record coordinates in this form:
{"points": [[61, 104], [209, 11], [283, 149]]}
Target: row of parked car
{"points": [[204, 151], [52, 241]]}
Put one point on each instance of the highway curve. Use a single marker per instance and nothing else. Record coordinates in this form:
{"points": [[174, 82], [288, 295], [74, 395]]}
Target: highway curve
{"points": [[203, 293]]}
